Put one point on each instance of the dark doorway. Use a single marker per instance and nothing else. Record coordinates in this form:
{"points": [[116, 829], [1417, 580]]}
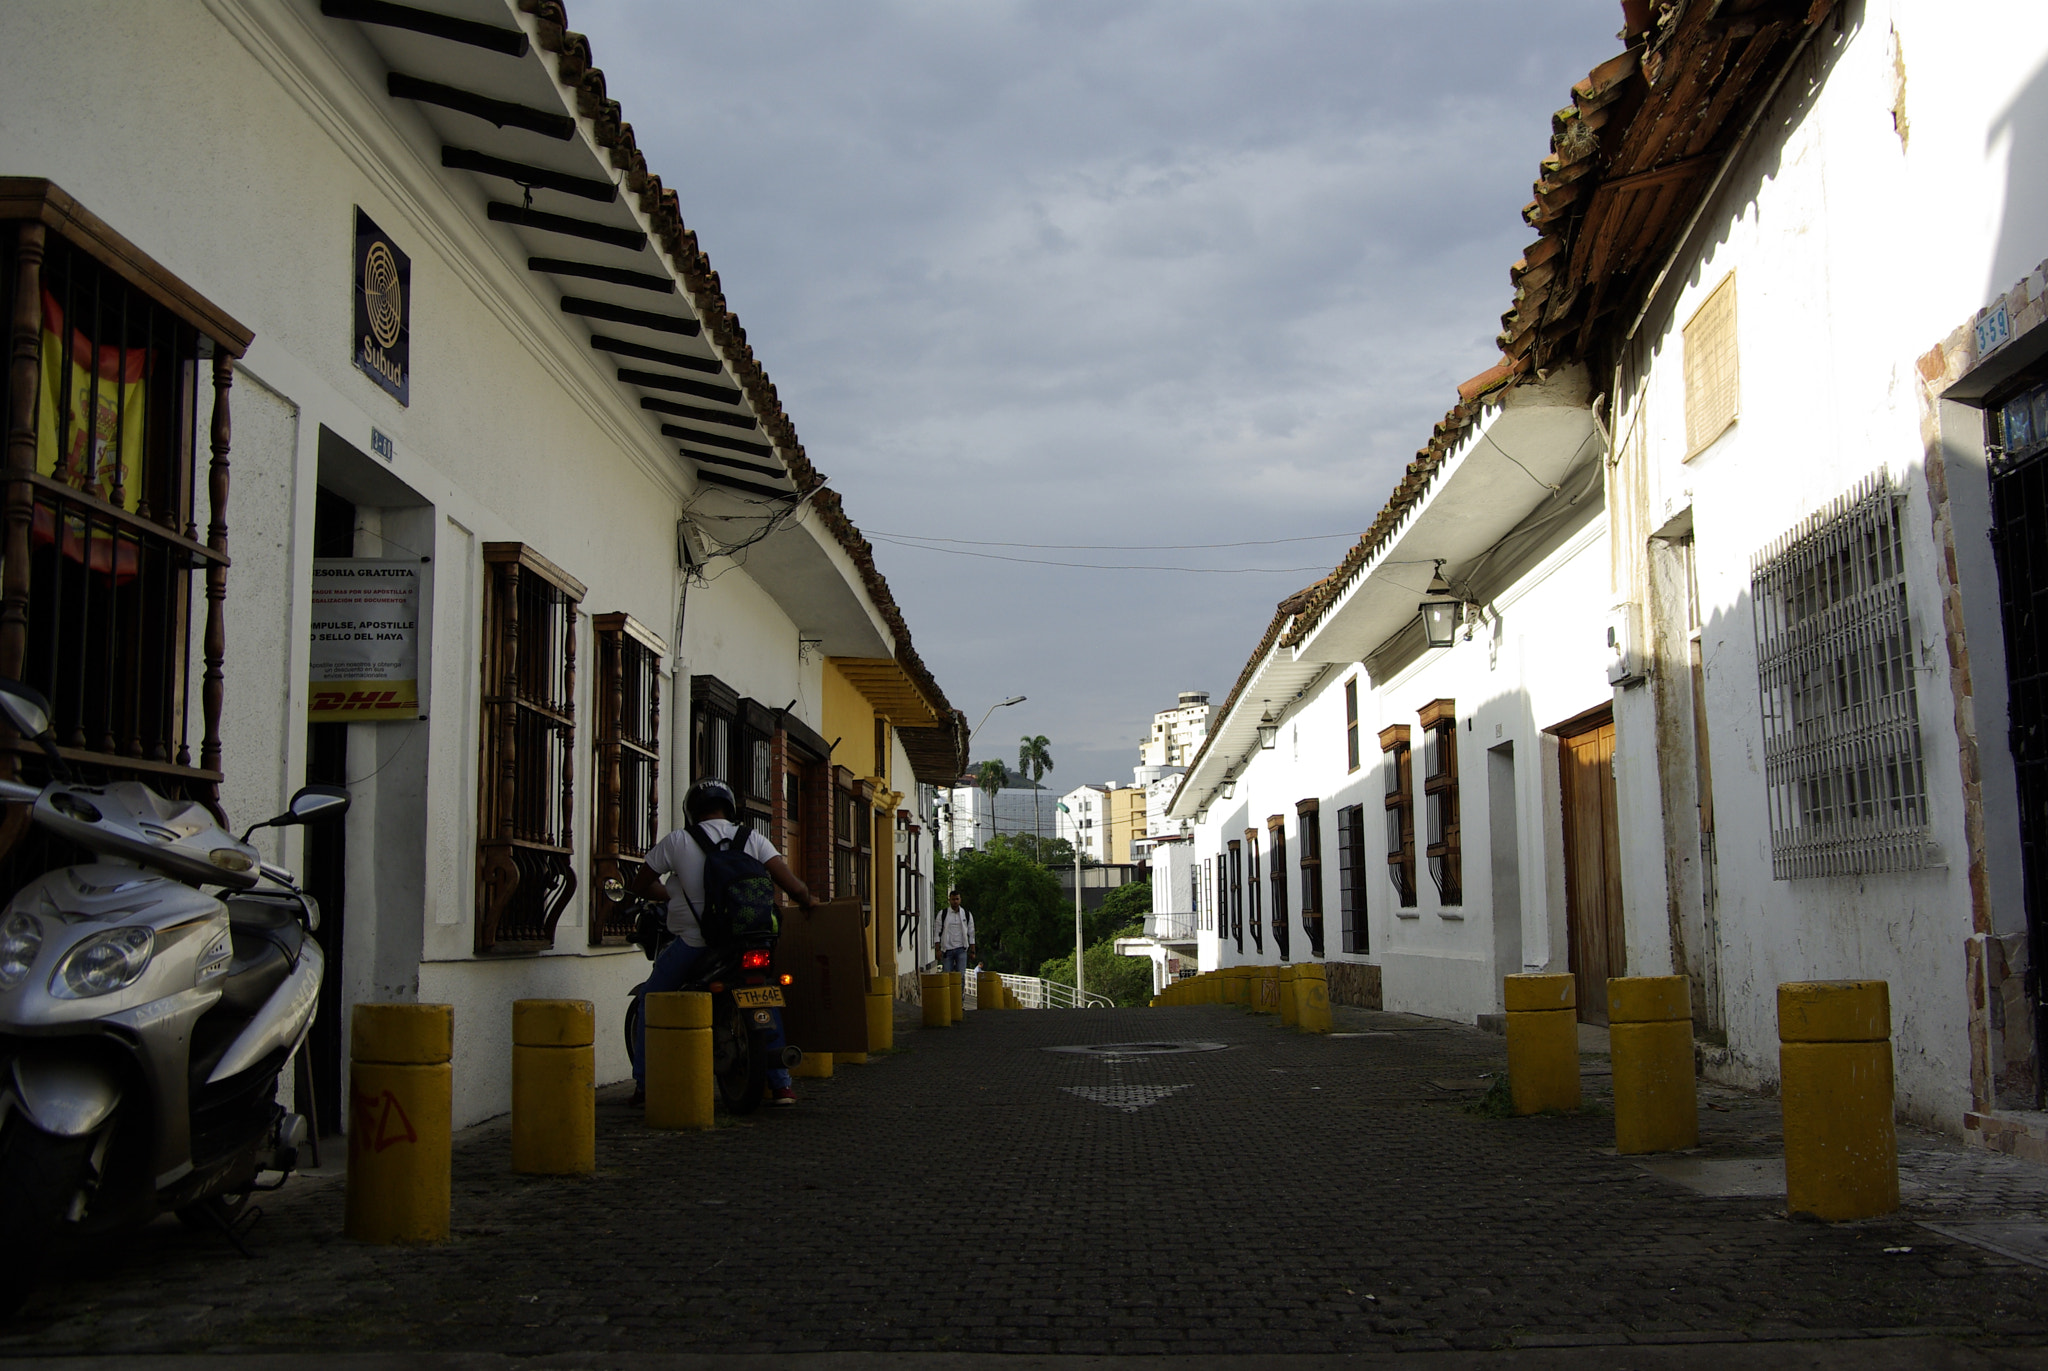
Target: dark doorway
{"points": [[1592, 862], [2018, 443], [326, 859]]}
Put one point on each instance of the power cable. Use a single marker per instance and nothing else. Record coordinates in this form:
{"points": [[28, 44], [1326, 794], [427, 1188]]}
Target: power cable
{"points": [[1115, 547], [1095, 566]]}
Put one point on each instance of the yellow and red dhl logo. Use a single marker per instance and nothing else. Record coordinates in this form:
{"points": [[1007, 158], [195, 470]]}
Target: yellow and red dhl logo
{"points": [[327, 701]]}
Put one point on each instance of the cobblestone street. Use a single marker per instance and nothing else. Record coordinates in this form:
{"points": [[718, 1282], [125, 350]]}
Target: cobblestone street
{"points": [[973, 1192]]}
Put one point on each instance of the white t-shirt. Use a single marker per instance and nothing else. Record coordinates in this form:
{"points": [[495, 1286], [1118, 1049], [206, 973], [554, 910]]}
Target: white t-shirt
{"points": [[680, 863]]}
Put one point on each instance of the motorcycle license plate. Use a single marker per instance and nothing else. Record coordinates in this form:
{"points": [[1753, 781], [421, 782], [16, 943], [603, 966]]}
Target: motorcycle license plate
{"points": [[758, 997]]}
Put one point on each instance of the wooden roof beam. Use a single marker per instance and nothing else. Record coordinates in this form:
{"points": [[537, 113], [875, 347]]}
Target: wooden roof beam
{"points": [[503, 113], [524, 175], [510, 42]]}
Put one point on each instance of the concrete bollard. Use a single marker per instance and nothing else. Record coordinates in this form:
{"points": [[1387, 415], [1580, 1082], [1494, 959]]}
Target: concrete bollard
{"points": [[399, 1085], [1835, 1071], [881, 1014], [554, 1087], [935, 997], [816, 1066], [1238, 989], [1290, 1008], [1266, 987], [956, 995], [1543, 1042], [1312, 991], [680, 1090], [988, 990], [1656, 1102]]}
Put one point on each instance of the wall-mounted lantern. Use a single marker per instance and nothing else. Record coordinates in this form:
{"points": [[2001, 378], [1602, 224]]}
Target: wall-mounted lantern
{"points": [[1229, 784], [1269, 730], [1442, 612]]}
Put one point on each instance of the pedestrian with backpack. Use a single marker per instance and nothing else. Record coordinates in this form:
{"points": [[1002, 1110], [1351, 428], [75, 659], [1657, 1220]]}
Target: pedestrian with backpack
{"points": [[953, 940], [712, 871]]}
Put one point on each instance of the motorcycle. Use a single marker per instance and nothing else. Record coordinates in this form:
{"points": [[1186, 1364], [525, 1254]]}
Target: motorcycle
{"points": [[745, 989], [145, 1020]]}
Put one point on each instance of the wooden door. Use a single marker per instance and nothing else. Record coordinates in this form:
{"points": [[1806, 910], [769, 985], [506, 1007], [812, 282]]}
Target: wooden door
{"points": [[1592, 866]]}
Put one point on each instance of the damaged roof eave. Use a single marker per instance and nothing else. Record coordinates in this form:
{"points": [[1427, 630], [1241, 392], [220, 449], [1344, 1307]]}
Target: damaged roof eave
{"points": [[1516, 455]]}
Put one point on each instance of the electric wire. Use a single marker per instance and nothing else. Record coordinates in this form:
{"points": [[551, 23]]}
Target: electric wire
{"points": [[1113, 547], [1095, 566]]}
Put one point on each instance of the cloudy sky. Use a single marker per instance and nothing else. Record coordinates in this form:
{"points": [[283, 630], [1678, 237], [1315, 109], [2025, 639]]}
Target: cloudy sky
{"points": [[1104, 284]]}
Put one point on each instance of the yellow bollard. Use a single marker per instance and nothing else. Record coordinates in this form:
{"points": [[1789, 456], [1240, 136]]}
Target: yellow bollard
{"points": [[816, 1066], [1312, 996], [881, 1014], [399, 1081], [1543, 1042], [680, 1091], [956, 992], [936, 998], [1835, 1070], [988, 989], [1290, 1011], [1237, 989], [554, 1087], [1267, 981], [1656, 1103], [1212, 987]]}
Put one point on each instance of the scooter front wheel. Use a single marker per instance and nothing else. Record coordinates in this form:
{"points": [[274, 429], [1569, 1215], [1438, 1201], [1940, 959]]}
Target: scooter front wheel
{"points": [[741, 1072], [40, 1175]]}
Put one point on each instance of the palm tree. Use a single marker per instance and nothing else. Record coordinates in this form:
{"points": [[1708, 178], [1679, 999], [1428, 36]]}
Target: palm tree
{"points": [[1034, 759], [989, 779]]}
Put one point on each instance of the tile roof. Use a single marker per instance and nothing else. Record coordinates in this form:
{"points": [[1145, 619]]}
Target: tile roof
{"points": [[934, 751]]}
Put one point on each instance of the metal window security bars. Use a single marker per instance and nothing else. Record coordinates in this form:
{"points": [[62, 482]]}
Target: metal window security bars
{"points": [[628, 762], [1841, 724]]}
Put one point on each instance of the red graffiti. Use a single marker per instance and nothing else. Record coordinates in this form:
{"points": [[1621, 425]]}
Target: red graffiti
{"points": [[378, 1123]]}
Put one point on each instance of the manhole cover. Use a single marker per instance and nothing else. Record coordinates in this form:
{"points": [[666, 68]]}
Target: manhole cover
{"points": [[1138, 1049]]}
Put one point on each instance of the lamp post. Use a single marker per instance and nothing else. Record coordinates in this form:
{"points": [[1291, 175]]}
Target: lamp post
{"points": [[1080, 975]]}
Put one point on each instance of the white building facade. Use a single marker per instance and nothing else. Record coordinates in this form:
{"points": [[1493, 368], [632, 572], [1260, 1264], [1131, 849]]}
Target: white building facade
{"points": [[1177, 733], [1742, 686], [552, 424]]}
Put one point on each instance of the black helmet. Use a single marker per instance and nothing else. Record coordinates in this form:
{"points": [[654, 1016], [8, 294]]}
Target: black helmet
{"points": [[708, 795]]}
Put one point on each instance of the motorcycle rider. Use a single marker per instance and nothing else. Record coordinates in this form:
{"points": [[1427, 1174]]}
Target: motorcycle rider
{"points": [[676, 864]]}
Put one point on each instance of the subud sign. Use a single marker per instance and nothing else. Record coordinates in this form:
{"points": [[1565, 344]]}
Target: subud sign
{"points": [[365, 658], [382, 342]]}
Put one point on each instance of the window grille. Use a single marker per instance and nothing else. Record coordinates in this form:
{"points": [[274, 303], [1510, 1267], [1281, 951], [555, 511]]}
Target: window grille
{"points": [[1712, 392], [1440, 789], [526, 874], [1351, 754], [626, 810], [1841, 719], [2019, 429], [1235, 860], [1351, 878], [119, 385], [1276, 838], [1310, 819], [852, 840], [1400, 804]]}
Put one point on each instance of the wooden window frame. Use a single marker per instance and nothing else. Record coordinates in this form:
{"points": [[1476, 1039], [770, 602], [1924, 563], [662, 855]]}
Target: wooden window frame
{"points": [[1256, 912], [1400, 805], [1713, 372], [526, 873], [1308, 817], [1439, 720], [1352, 905], [70, 556], [1278, 876], [1351, 752], [1235, 854], [852, 840], [626, 738]]}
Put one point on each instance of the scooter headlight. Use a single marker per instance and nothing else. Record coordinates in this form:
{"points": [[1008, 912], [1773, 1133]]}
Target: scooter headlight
{"points": [[21, 937], [104, 963]]}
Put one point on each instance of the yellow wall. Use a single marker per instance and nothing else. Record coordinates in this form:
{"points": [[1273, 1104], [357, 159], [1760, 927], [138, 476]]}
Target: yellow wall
{"points": [[1126, 821], [849, 718]]}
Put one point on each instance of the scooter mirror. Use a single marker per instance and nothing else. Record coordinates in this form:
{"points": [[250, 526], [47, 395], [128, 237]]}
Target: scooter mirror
{"points": [[316, 802], [614, 889], [26, 710]]}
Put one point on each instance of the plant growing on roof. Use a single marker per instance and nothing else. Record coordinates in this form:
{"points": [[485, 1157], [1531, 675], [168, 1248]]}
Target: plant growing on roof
{"points": [[1034, 759]]}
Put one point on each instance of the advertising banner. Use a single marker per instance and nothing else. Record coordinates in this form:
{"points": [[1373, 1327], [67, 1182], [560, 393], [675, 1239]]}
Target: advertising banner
{"points": [[365, 660], [382, 340]]}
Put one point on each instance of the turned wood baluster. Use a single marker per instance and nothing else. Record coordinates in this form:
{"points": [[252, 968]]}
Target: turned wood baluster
{"points": [[24, 373], [216, 643]]}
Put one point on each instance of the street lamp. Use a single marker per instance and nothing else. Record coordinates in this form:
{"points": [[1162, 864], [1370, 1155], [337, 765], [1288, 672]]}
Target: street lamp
{"points": [[1269, 730], [1013, 700], [1229, 784], [1442, 611]]}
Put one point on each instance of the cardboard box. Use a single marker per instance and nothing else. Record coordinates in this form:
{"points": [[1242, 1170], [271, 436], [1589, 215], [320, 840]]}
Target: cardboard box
{"points": [[826, 950]]}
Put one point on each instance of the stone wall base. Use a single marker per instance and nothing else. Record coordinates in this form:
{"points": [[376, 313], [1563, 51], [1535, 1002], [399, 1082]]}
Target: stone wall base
{"points": [[1354, 983], [2017, 1133]]}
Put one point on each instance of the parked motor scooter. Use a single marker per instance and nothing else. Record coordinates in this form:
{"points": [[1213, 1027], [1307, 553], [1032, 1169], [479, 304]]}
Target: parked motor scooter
{"points": [[145, 1019], [746, 992]]}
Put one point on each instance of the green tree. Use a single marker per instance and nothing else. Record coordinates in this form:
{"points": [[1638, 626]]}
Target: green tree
{"points": [[988, 779], [1126, 980], [1054, 854], [1034, 759], [1019, 913], [1121, 913]]}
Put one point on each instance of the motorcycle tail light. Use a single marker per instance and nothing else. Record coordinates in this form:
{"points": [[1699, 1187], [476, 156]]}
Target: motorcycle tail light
{"points": [[788, 979], [753, 961], [21, 937], [716, 987], [104, 963]]}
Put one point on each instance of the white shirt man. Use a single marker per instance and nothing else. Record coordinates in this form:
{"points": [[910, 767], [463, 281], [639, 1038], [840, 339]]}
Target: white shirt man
{"points": [[954, 940], [679, 861]]}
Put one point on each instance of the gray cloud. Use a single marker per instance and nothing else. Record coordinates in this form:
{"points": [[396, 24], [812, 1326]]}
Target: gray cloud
{"points": [[1173, 272]]}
